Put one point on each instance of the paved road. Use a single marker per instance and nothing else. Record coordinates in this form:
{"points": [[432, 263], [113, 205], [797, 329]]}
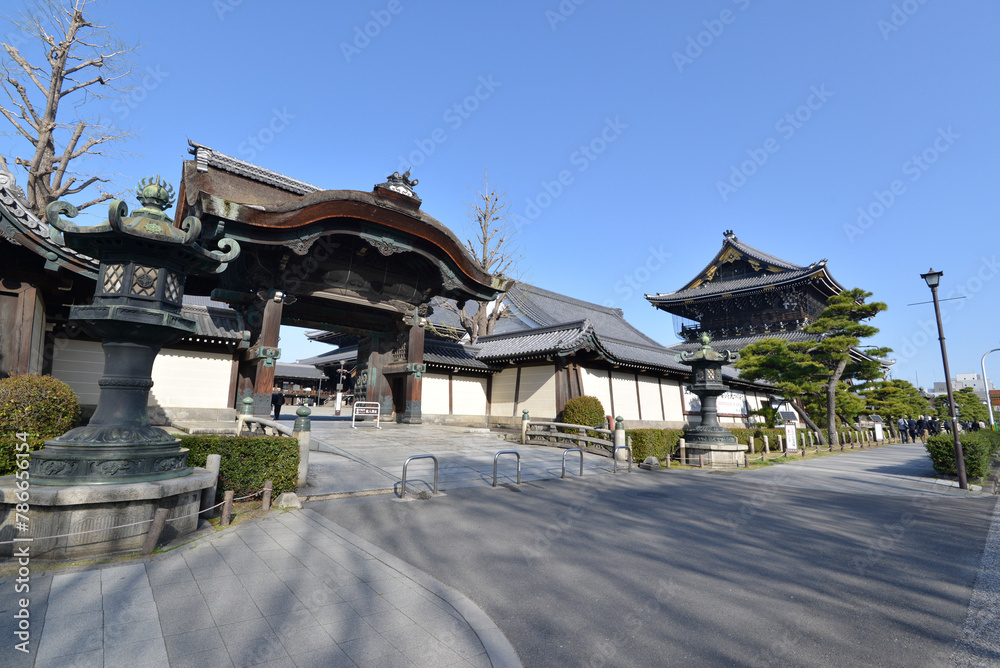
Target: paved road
{"points": [[766, 568]]}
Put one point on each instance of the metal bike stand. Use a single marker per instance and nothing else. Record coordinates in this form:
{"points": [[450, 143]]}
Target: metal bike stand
{"points": [[402, 489], [507, 452], [566, 452], [614, 457]]}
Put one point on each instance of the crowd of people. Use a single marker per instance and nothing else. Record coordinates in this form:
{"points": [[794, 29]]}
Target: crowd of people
{"points": [[910, 429]]}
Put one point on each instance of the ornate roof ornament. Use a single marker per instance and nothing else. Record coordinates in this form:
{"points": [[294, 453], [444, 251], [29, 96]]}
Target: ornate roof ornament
{"points": [[400, 184]]}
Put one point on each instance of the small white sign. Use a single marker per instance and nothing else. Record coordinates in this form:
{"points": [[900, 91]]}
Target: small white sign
{"points": [[365, 409], [878, 432], [791, 438]]}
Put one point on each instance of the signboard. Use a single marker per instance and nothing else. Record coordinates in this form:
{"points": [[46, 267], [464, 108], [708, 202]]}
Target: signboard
{"points": [[879, 436], [728, 403], [791, 438], [365, 409]]}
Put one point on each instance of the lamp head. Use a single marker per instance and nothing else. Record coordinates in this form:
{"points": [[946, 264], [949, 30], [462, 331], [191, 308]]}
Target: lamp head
{"points": [[932, 277]]}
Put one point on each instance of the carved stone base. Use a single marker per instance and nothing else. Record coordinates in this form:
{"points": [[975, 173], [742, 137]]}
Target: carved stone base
{"points": [[70, 464], [96, 509], [715, 456]]}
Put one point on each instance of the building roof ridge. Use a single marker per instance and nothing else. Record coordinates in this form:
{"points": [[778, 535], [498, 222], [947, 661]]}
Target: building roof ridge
{"points": [[205, 156], [581, 325], [747, 249]]}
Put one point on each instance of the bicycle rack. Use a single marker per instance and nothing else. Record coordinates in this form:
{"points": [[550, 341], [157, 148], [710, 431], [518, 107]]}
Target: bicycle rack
{"points": [[402, 489], [614, 457], [566, 452], [507, 452]]}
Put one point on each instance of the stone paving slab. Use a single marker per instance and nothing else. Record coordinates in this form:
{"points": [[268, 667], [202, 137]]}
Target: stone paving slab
{"points": [[371, 460], [291, 589]]}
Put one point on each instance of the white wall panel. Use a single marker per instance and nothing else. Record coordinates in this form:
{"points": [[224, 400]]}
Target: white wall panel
{"points": [[595, 384], [649, 398], [538, 391], [503, 392], [191, 379], [181, 378], [434, 394], [671, 390], [469, 395], [626, 399]]}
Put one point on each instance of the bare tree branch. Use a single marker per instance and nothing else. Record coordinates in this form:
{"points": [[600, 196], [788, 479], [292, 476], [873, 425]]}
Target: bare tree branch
{"points": [[491, 245], [67, 43]]}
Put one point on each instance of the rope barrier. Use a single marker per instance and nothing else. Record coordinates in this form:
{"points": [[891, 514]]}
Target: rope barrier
{"points": [[123, 526]]}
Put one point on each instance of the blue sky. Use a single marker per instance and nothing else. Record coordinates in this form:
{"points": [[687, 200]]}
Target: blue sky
{"points": [[630, 134]]}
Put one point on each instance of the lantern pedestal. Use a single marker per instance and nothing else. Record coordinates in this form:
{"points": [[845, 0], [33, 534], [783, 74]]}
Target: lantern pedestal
{"points": [[709, 441], [91, 512]]}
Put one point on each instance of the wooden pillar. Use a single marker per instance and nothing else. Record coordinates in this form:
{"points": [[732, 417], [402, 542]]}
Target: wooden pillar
{"points": [[415, 368], [257, 366]]}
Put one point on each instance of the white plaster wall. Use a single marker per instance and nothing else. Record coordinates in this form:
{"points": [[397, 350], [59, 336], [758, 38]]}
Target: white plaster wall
{"points": [[468, 395], [595, 384], [626, 399], [538, 391], [671, 391], [649, 399], [503, 392], [191, 379], [181, 378], [434, 394]]}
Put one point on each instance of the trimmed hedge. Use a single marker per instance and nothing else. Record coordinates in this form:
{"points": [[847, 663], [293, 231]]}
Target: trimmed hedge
{"points": [[248, 461], [42, 406], [743, 436], [978, 448], [659, 443]]}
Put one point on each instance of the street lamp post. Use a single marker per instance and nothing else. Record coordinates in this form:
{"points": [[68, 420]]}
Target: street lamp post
{"points": [[986, 386], [933, 279]]}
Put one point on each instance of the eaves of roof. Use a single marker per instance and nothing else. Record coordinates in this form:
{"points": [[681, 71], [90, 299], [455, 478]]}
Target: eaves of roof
{"points": [[540, 342], [748, 284]]}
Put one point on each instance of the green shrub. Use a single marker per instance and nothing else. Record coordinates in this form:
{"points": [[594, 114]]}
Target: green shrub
{"points": [[248, 461], [40, 405], [8, 451], [659, 443], [743, 436], [584, 410], [978, 448]]}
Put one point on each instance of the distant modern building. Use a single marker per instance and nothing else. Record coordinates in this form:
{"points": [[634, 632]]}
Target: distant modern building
{"points": [[962, 380]]}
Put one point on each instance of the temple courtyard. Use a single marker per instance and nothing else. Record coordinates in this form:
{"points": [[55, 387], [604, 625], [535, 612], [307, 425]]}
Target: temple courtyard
{"points": [[861, 558]]}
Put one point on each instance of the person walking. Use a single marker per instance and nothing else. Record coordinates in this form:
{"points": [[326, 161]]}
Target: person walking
{"points": [[911, 426], [902, 429], [277, 401], [922, 429]]}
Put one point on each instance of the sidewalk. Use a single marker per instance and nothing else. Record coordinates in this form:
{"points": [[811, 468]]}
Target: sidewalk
{"points": [[290, 589]]}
